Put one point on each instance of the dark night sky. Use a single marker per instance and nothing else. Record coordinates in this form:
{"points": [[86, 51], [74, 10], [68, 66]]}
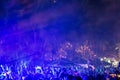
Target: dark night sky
{"points": [[64, 19]]}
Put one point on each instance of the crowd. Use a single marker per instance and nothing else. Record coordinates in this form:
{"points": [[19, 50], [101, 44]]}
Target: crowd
{"points": [[23, 72]]}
